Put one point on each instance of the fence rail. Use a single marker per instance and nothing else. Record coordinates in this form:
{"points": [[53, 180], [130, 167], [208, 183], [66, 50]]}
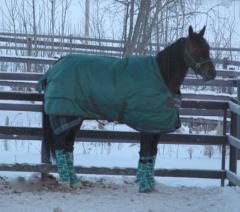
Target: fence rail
{"points": [[7, 37], [46, 168], [32, 44]]}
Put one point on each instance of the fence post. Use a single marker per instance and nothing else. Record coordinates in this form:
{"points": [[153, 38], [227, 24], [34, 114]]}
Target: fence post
{"points": [[71, 41], [47, 134], [29, 52], [233, 151], [238, 117], [223, 165]]}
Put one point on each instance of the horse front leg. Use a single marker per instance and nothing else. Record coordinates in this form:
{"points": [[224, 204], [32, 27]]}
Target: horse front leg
{"points": [[148, 152]]}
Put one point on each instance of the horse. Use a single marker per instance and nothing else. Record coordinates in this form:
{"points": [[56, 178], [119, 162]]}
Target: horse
{"points": [[170, 66]]}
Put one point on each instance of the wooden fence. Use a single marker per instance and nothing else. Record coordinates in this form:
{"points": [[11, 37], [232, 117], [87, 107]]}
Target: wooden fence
{"points": [[193, 106], [49, 45], [234, 142]]}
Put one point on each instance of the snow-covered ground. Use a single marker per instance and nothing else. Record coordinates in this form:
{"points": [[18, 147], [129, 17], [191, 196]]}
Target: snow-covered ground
{"points": [[107, 194], [26, 192]]}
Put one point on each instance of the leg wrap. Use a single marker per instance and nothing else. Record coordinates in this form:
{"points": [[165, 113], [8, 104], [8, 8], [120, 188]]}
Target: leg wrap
{"points": [[148, 151], [145, 174], [62, 166], [72, 174]]}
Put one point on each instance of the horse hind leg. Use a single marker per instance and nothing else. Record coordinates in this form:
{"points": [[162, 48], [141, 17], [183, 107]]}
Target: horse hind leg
{"points": [[64, 145], [145, 171], [62, 167], [53, 144], [74, 180]]}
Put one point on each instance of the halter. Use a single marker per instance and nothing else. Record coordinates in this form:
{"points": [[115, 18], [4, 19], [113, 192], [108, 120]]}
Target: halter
{"points": [[197, 65]]}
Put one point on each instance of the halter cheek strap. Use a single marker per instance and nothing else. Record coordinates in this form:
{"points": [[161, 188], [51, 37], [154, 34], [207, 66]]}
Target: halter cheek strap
{"points": [[196, 65]]}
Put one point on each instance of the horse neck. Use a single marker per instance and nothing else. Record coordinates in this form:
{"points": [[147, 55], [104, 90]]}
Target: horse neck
{"points": [[172, 65]]}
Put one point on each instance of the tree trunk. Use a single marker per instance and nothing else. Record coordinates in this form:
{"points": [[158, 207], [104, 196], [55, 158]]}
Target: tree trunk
{"points": [[34, 27], [137, 29], [87, 18]]}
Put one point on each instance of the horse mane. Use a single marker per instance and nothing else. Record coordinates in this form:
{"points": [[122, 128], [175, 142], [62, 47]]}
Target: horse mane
{"points": [[172, 65]]}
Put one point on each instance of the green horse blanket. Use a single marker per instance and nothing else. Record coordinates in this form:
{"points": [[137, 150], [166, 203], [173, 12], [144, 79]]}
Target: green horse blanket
{"points": [[129, 90]]}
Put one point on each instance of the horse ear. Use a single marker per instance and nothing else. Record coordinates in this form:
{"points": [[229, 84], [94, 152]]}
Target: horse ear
{"points": [[202, 31], [190, 31]]}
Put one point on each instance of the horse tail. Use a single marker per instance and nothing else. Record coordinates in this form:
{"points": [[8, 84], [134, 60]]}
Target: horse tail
{"points": [[48, 147]]}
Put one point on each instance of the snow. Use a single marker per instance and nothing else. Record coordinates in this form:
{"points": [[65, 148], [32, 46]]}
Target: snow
{"points": [[115, 194]]}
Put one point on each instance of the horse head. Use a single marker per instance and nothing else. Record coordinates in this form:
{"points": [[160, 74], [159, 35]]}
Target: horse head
{"points": [[196, 55]]}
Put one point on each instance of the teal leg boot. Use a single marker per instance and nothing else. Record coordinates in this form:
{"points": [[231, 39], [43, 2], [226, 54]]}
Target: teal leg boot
{"points": [[145, 174], [61, 161], [138, 172], [152, 172], [74, 180]]}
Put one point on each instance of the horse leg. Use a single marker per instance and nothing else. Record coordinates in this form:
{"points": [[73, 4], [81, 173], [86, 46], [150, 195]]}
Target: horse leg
{"points": [[145, 172], [61, 160], [70, 138], [154, 150], [64, 137]]}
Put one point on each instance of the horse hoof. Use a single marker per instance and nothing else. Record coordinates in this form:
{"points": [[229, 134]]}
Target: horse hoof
{"points": [[64, 187]]}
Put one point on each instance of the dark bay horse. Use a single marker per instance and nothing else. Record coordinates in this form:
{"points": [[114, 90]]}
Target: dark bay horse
{"points": [[172, 64]]}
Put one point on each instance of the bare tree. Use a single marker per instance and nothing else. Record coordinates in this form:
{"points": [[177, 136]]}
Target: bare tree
{"points": [[65, 7], [12, 10], [134, 37], [53, 8], [53, 16], [87, 17]]}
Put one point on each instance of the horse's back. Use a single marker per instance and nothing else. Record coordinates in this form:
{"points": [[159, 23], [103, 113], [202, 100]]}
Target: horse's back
{"points": [[108, 77]]}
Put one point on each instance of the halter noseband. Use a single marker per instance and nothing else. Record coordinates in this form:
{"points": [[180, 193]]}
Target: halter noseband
{"points": [[197, 65]]}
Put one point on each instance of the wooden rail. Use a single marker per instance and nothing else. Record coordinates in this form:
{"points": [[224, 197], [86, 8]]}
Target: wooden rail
{"points": [[8, 37], [32, 44], [46, 168]]}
